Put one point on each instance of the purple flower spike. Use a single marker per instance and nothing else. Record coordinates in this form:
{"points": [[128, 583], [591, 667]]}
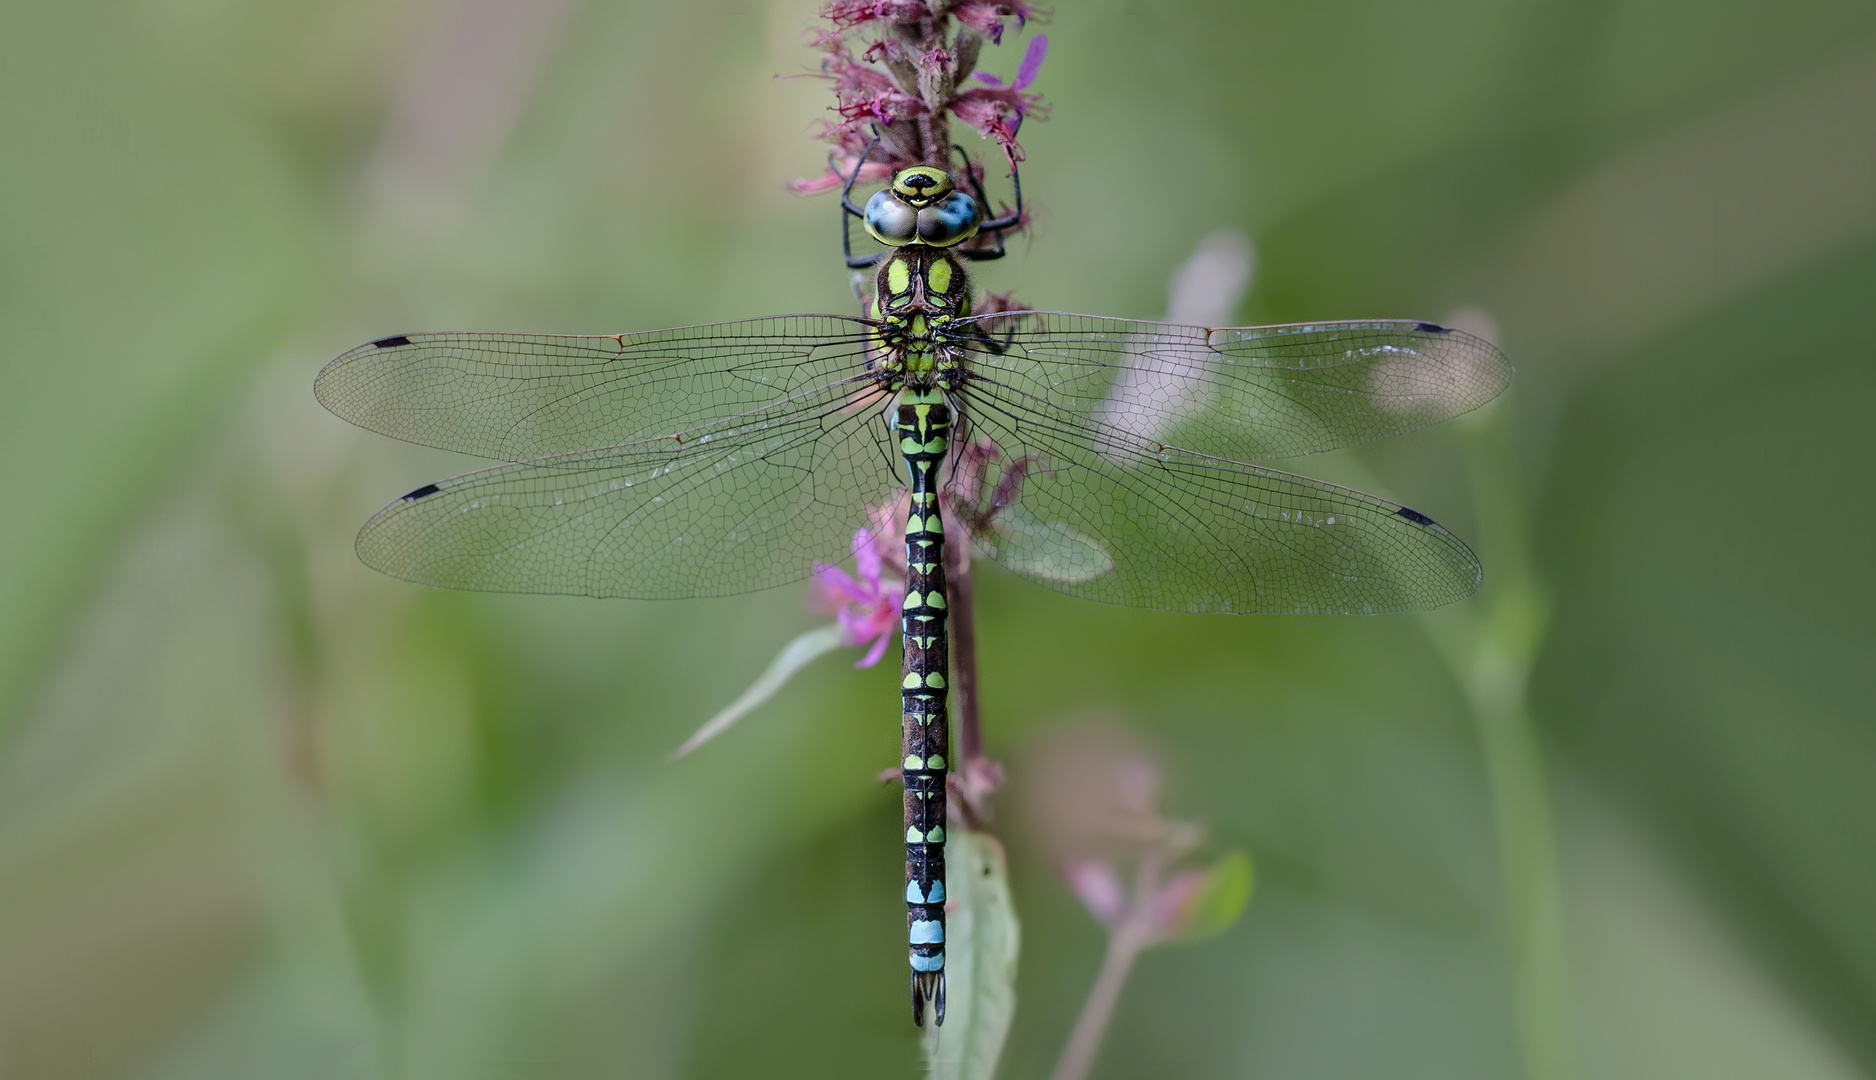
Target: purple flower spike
{"points": [[900, 71], [866, 608], [1026, 71]]}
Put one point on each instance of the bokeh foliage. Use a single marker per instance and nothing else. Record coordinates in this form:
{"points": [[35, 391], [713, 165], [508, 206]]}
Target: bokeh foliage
{"points": [[265, 814]]}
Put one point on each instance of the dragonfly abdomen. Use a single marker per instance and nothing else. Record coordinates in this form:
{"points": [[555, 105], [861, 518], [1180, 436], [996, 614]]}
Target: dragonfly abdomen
{"points": [[924, 427]]}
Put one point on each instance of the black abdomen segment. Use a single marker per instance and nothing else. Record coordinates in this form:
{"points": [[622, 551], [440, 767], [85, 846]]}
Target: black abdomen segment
{"points": [[923, 428]]}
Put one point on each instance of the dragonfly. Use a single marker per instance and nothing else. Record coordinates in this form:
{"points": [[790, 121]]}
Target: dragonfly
{"points": [[1109, 459]]}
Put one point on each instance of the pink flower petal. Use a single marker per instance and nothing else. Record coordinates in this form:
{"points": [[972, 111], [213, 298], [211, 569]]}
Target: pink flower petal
{"points": [[986, 16], [1099, 888], [1026, 71], [991, 112], [846, 13], [831, 590], [838, 581], [825, 182], [1032, 60], [853, 626], [878, 650], [866, 557], [1170, 904]]}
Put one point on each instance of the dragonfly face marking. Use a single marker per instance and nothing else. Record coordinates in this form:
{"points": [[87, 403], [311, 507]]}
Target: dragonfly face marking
{"points": [[921, 185]]}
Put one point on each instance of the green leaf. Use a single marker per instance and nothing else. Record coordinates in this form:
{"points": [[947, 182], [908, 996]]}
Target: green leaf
{"points": [[982, 940], [794, 656], [1219, 900]]}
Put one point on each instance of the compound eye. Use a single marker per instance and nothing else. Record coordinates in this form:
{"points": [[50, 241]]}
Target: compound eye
{"points": [[890, 221], [951, 220]]}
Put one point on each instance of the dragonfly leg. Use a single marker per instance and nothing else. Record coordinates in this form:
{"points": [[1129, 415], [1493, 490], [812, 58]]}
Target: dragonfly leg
{"points": [[1014, 217], [848, 210], [983, 200], [846, 193], [992, 345]]}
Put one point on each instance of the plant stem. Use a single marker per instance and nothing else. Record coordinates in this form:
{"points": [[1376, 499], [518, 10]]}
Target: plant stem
{"points": [[1133, 932], [961, 595], [1527, 852], [1123, 946], [1491, 659], [974, 778]]}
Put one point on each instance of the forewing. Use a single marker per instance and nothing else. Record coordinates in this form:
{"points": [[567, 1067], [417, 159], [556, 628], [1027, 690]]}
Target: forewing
{"points": [[1108, 516], [516, 397], [1243, 393], [731, 508]]}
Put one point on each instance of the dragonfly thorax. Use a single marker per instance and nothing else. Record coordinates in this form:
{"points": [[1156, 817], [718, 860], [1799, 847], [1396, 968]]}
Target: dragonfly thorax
{"points": [[919, 293]]}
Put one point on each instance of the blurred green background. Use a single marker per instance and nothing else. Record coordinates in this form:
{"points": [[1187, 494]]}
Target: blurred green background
{"points": [[264, 813]]}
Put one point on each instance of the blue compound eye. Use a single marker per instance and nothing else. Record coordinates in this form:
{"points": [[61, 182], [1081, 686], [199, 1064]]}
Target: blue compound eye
{"points": [[951, 220], [890, 221]]}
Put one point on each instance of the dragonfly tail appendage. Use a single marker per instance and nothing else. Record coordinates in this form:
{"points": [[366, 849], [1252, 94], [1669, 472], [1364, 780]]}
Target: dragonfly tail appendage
{"points": [[923, 427]]}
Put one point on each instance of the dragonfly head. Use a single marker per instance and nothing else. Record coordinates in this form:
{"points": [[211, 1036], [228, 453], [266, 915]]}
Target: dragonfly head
{"points": [[922, 206]]}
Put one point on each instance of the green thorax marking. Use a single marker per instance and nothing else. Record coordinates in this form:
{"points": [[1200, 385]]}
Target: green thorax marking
{"points": [[919, 291]]}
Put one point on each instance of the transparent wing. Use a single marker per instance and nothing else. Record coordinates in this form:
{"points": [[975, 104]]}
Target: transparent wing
{"points": [[516, 397], [1244, 393], [1098, 513], [732, 507]]}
